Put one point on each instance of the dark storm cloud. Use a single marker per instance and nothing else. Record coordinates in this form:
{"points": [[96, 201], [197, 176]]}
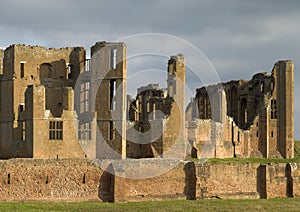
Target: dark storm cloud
{"points": [[239, 37]]}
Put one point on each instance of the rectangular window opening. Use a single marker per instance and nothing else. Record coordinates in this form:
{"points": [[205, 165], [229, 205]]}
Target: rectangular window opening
{"points": [[22, 70], [70, 71], [113, 91], [87, 65], [83, 180], [23, 138], [22, 107], [8, 178], [84, 97], [111, 130], [85, 131], [56, 130], [114, 59]]}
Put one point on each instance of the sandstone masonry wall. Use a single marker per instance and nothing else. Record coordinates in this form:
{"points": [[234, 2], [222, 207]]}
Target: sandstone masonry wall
{"points": [[81, 180]]}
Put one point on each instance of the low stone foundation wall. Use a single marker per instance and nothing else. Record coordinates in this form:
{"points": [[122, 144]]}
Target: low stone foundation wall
{"points": [[49, 179], [82, 180]]}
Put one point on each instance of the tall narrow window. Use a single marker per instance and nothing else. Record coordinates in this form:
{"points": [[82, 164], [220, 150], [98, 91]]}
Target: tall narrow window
{"points": [[55, 130], [262, 86], [113, 91], [23, 138], [114, 59], [22, 70], [273, 109], [148, 107], [234, 102], [244, 110], [85, 131], [272, 86], [111, 130], [200, 107], [84, 97], [154, 112], [70, 71], [87, 65], [205, 110]]}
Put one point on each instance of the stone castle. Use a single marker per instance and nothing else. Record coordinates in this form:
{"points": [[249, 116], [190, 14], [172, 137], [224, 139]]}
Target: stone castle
{"points": [[55, 99], [55, 103]]}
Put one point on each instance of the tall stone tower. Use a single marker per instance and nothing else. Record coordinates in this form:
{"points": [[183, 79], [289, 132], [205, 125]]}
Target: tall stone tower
{"points": [[284, 79], [109, 65], [175, 128]]}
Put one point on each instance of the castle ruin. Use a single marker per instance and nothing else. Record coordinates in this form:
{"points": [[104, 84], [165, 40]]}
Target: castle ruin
{"points": [[59, 110], [53, 100]]}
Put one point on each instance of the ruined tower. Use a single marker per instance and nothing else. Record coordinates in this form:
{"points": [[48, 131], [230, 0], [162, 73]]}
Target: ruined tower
{"points": [[109, 65], [284, 79], [174, 131]]}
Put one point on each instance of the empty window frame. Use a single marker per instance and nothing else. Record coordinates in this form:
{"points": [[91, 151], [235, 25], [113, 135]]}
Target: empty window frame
{"points": [[273, 109], [23, 133], [85, 131], [55, 130], [87, 65], [114, 58], [70, 71], [84, 97], [113, 91], [111, 133], [22, 69], [205, 107], [21, 107]]}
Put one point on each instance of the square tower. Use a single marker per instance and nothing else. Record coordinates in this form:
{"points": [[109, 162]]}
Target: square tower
{"points": [[109, 66]]}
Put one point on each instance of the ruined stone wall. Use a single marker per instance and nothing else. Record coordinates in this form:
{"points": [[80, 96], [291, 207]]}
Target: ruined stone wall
{"points": [[294, 178], [277, 181], [160, 117], [227, 180], [24, 66], [39, 179], [79, 179], [39, 121], [261, 109], [177, 183]]}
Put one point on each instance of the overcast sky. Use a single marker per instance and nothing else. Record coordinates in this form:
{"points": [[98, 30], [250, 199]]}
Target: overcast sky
{"points": [[239, 37]]}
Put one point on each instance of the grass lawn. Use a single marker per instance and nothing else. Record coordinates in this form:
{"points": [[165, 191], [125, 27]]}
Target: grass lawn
{"points": [[287, 204]]}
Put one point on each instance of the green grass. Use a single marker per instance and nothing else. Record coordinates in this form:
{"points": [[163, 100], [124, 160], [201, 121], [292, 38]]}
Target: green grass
{"points": [[296, 158], [287, 204]]}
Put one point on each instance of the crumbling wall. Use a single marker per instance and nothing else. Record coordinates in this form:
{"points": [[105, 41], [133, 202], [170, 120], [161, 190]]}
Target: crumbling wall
{"points": [[293, 170], [260, 110], [228, 180], [24, 66], [45, 179], [177, 183], [79, 179], [276, 181]]}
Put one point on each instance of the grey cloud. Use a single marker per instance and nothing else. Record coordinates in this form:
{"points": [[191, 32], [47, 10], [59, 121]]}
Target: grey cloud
{"points": [[239, 37]]}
